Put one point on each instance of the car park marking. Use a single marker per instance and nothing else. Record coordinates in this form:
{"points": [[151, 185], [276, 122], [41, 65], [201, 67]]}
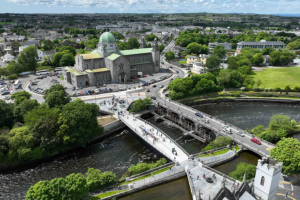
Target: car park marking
{"points": [[268, 149]]}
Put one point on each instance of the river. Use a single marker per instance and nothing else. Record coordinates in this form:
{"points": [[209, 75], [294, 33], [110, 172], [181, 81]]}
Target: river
{"points": [[120, 151]]}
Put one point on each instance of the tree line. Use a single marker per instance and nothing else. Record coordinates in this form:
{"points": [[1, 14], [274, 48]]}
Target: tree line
{"points": [[30, 130]]}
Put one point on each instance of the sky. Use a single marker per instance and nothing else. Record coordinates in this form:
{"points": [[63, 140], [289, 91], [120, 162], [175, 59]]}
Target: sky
{"points": [[151, 6]]}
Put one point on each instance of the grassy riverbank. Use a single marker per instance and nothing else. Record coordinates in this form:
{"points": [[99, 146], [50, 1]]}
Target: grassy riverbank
{"points": [[218, 152], [106, 194], [149, 175]]}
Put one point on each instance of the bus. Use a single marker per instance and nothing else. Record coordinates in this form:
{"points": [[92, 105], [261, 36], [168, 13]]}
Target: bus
{"points": [[42, 72], [58, 69]]}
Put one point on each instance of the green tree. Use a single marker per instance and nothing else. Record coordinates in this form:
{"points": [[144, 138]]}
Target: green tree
{"points": [[56, 59], [92, 43], [241, 168], [67, 60], [97, 180], [287, 150], [219, 51], [28, 58], [22, 108], [19, 97], [69, 48], [212, 63], [81, 51], [161, 47], [14, 68], [151, 37], [72, 187], [287, 88], [6, 116], [258, 59], [296, 89], [224, 77], [279, 122], [133, 43], [78, 123], [194, 48], [170, 55], [56, 98], [12, 77]]}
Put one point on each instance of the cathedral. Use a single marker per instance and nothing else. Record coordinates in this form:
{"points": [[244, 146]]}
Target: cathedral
{"points": [[107, 64]]}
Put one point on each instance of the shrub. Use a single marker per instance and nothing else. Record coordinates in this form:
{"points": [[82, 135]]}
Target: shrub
{"points": [[277, 89], [270, 90], [240, 170], [287, 88], [256, 89], [296, 89], [237, 95], [266, 90]]}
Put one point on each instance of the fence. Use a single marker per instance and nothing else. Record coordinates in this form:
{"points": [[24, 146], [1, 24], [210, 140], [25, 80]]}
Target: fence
{"points": [[218, 158], [150, 141], [208, 152], [156, 178], [166, 136]]}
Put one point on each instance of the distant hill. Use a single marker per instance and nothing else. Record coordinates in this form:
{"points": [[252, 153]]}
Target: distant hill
{"points": [[288, 15]]}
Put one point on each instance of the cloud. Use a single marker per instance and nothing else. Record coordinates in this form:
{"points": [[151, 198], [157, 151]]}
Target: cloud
{"points": [[169, 6]]}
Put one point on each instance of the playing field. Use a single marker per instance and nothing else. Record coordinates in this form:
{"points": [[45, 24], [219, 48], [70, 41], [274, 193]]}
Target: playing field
{"points": [[278, 77]]}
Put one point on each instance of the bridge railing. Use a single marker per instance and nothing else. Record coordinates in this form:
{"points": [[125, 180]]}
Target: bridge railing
{"points": [[165, 135], [148, 141], [208, 152], [217, 119], [218, 158]]}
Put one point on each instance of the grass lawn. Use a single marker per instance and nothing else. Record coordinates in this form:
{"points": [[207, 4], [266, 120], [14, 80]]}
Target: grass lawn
{"points": [[1, 23], [149, 175], [105, 120], [106, 194], [182, 62], [278, 77], [85, 52], [219, 152], [62, 77], [43, 68]]}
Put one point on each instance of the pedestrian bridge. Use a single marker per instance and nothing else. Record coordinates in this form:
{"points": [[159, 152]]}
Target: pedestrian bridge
{"points": [[155, 137]]}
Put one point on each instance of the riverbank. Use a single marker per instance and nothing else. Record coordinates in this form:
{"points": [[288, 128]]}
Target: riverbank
{"points": [[108, 131]]}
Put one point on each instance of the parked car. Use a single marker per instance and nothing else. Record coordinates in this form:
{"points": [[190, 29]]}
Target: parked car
{"points": [[161, 86], [171, 67], [58, 76], [73, 88], [82, 93], [241, 134], [90, 92], [85, 92], [78, 93], [40, 77], [144, 75], [177, 72], [151, 74], [148, 90], [198, 115], [226, 128], [96, 91], [74, 93], [135, 77], [154, 86], [5, 92], [153, 97], [110, 89], [255, 140]]}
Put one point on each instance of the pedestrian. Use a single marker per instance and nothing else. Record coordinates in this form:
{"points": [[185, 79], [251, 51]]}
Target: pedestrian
{"points": [[198, 177]]}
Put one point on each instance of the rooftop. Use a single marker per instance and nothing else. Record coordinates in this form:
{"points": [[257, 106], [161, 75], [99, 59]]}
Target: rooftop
{"points": [[113, 56], [136, 51], [90, 56], [262, 43], [100, 70]]}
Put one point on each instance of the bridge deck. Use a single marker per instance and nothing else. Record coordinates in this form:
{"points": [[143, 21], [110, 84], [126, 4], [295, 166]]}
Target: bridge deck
{"points": [[217, 126], [156, 138]]}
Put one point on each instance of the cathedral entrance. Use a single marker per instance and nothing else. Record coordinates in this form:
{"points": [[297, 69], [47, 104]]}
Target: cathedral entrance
{"points": [[122, 76]]}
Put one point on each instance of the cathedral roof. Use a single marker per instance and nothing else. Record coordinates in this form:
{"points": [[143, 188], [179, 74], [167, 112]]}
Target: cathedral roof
{"points": [[107, 37], [90, 56], [136, 51], [113, 56]]}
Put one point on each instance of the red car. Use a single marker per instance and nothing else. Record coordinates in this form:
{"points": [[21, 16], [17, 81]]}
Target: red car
{"points": [[144, 75], [82, 93], [135, 77], [255, 140]]}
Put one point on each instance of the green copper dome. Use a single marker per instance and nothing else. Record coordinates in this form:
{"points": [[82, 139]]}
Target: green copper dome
{"points": [[107, 37]]}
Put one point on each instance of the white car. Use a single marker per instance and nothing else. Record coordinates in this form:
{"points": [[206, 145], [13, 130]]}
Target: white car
{"points": [[241, 134], [226, 129]]}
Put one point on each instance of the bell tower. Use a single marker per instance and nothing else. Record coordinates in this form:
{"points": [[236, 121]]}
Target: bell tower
{"points": [[267, 178], [155, 56]]}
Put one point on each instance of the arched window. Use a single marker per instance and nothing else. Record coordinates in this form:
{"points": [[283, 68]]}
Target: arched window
{"points": [[262, 181]]}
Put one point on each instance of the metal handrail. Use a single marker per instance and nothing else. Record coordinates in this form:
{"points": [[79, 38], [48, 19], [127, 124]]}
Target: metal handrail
{"points": [[166, 136]]}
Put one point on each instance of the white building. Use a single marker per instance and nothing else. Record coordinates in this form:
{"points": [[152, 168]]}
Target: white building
{"points": [[198, 67], [267, 177], [260, 45], [7, 58], [226, 45]]}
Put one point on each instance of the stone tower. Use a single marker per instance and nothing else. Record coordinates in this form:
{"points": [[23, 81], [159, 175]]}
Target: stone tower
{"points": [[267, 177], [107, 44], [143, 43], [155, 56]]}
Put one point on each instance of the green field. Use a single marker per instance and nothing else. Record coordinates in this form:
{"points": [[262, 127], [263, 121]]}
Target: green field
{"points": [[1, 23], [43, 68], [278, 77], [182, 62]]}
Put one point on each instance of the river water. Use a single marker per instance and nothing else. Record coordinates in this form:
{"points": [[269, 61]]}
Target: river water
{"points": [[120, 151]]}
